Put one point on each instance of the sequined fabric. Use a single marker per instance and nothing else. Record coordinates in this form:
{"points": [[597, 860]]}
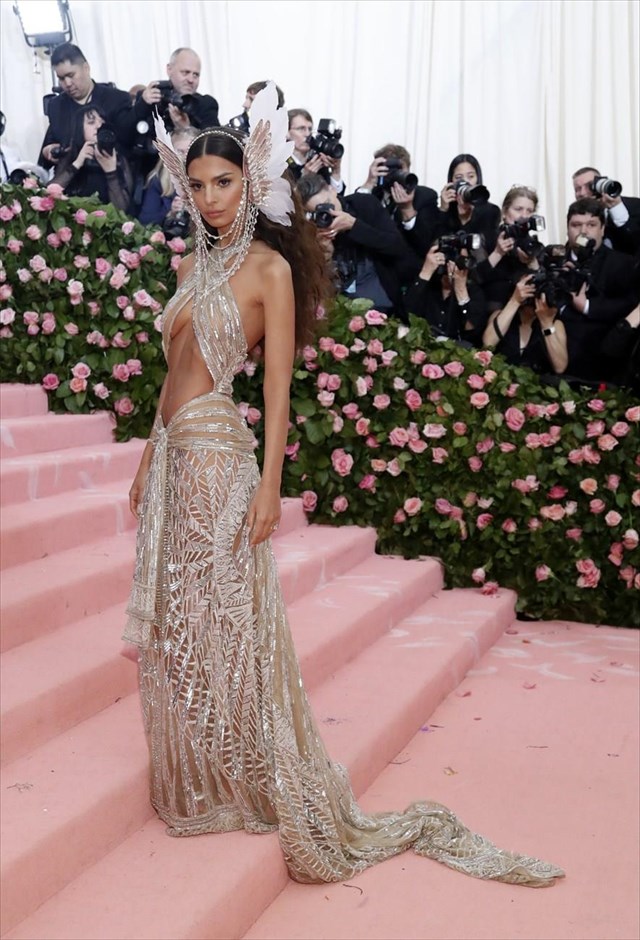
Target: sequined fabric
{"points": [[232, 740]]}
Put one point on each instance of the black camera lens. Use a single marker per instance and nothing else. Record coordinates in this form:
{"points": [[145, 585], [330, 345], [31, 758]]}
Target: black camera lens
{"points": [[603, 186], [106, 139], [472, 195], [322, 215]]}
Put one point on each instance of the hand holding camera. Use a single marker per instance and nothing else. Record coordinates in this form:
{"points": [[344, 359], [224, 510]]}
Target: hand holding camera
{"points": [[53, 152], [86, 153], [105, 160], [152, 94], [525, 290], [433, 260], [545, 314]]}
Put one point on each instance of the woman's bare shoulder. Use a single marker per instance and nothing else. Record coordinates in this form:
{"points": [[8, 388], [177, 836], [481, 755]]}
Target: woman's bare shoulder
{"points": [[185, 267], [271, 263]]}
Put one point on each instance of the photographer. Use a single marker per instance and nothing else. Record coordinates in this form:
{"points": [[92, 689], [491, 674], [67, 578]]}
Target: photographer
{"points": [[446, 297], [516, 249], [414, 208], [609, 290], [368, 254], [622, 214], [527, 331], [79, 89], [177, 99], [161, 205], [464, 202], [305, 159], [92, 163]]}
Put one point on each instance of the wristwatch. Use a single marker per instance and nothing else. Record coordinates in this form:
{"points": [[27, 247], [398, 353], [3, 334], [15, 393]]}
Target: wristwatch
{"points": [[549, 331]]}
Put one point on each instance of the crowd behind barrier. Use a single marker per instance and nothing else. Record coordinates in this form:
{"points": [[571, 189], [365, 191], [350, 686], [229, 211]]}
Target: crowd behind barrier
{"points": [[478, 273]]}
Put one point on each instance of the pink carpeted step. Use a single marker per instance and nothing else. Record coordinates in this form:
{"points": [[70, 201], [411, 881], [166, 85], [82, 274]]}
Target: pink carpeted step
{"points": [[40, 596], [538, 750], [38, 476], [19, 401], [365, 712], [42, 527], [39, 433], [63, 678]]}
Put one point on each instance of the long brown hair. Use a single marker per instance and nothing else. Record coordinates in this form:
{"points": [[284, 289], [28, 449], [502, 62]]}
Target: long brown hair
{"points": [[297, 243]]}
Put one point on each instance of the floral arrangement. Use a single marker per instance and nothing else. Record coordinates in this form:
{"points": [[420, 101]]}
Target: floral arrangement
{"points": [[446, 451], [82, 286], [454, 453]]}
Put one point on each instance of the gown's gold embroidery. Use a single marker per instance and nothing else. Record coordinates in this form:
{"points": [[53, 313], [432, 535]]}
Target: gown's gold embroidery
{"points": [[232, 740]]}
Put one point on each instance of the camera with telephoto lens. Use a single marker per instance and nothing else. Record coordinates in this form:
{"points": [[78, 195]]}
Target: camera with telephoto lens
{"points": [[240, 122], [603, 186], [524, 233], [396, 174], [472, 195], [106, 139], [452, 247], [186, 103], [557, 280], [322, 215], [176, 226], [326, 140]]}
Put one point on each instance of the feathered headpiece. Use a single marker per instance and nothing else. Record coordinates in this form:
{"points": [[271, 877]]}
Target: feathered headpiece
{"points": [[265, 155]]}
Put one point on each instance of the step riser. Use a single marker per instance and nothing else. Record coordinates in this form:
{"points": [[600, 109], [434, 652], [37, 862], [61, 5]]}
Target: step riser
{"points": [[300, 578], [19, 401], [22, 436], [90, 515], [25, 479]]}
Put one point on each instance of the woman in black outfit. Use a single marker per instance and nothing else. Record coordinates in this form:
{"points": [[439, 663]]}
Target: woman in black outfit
{"points": [[458, 215], [448, 299], [526, 331], [86, 170]]}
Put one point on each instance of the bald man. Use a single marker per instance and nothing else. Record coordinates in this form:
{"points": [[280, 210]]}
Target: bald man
{"points": [[183, 72]]}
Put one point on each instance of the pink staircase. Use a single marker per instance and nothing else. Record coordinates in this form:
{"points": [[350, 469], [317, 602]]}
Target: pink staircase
{"points": [[381, 645]]}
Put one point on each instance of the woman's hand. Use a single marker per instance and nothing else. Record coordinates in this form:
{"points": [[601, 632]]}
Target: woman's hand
{"points": [[314, 164], [524, 290], [504, 245], [86, 153], [459, 278], [545, 314], [342, 222], [137, 488], [264, 514], [433, 259], [447, 196], [107, 161]]}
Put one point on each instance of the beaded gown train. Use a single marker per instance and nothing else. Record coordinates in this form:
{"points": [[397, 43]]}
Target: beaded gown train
{"points": [[232, 740]]}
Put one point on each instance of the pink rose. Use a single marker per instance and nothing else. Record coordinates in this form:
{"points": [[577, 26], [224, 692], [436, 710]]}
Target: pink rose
{"points": [[627, 574], [342, 462], [412, 506], [570, 507], [253, 415], [158, 238], [434, 431], [325, 398], [144, 250], [32, 329], [362, 426], [630, 539], [613, 518], [14, 245], [381, 402], [291, 450], [100, 390], [454, 369], [361, 387], [574, 534], [81, 262], [459, 427], [476, 382], [326, 343], [94, 338], [475, 464], [309, 500], [483, 520], [515, 418], [412, 399], [479, 399], [81, 371], [438, 454], [33, 232], [368, 482], [118, 279], [6, 214], [50, 382], [55, 190], [127, 228], [589, 573], [442, 506], [370, 364], [615, 554], [633, 413], [78, 385], [394, 468], [388, 356], [534, 523], [398, 437], [72, 329], [7, 316], [80, 216], [134, 366], [589, 486], [432, 371], [340, 504], [509, 526], [478, 575], [543, 573], [533, 441], [576, 456], [557, 492], [375, 318], [37, 263], [553, 512], [489, 588], [65, 234], [142, 298], [123, 406], [351, 410], [45, 275], [120, 372], [119, 341], [595, 428], [30, 316], [378, 466], [375, 347], [483, 356], [613, 482], [597, 506], [596, 404], [142, 337], [60, 274], [607, 442], [333, 382], [399, 517], [102, 267], [417, 357], [355, 325], [399, 384], [75, 287], [48, 323], [485, 445]]}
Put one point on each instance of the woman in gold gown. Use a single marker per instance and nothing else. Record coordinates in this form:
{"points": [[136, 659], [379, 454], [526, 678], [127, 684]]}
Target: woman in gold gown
{"points": [[232, 740]]}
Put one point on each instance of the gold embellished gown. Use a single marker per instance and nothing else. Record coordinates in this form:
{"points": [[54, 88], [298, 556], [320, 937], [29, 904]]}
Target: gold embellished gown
{"points": [[232, 740]]}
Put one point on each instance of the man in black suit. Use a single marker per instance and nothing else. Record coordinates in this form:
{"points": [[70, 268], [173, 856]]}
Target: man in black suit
{"points": [[183, 71], [611, 289], [78, 89], [413, 208], [622, 226], [369, 255]]}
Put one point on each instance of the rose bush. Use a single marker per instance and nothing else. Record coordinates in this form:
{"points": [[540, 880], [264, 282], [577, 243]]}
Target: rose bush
{"points": [[81, 289], [445, 451]]}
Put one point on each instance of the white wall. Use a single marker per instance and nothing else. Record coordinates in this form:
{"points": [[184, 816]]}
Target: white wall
{"points": [[534, 88]]}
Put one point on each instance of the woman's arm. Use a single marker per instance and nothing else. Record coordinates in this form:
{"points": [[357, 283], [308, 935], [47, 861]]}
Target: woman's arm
{"points": [[500, 321], [279, 350], [554, 334]]}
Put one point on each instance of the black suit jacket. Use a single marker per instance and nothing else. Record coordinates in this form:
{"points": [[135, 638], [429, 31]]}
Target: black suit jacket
{"points": [[420, 237], [205, 112], [115, 104], [484, 221], [626, 238], [613, 291]]}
